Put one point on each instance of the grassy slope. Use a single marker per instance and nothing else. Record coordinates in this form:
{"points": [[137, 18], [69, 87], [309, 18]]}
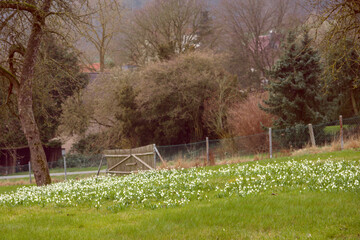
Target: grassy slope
{"points": [[283, 216], [339, 155], [287, 215]]}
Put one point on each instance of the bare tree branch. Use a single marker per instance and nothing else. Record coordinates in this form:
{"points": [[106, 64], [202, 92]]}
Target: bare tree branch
{"points": [[20, 6], [9, 76]]}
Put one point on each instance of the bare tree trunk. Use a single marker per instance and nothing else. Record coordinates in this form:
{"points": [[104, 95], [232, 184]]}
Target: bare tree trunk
{"points": [[25, 101], [102, 60], [13, 155], [102, 49], [353, 101]]}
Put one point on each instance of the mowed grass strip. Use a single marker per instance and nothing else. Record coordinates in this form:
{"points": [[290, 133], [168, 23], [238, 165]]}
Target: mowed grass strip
{"points": [[291, 215]]}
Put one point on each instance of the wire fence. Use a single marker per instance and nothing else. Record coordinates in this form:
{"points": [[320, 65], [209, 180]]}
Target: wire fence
{"points": [[260, 145], [219, 149], [69, 163], [276, 142]]}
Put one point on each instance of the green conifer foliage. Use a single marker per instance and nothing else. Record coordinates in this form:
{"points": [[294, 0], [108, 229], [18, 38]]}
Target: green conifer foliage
{"points": [[295, 92]]}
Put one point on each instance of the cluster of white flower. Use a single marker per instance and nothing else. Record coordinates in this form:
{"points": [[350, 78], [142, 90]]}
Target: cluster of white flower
{"points": [[303, 175], [153, 189], [177, 187]]}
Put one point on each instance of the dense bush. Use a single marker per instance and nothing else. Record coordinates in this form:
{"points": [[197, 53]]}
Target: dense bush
{"points": [[178, 101], [247, 119], [173, 97]]}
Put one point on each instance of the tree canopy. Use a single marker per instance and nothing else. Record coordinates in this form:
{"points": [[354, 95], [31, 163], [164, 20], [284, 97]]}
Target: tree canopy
{"points": [[295, 92], [22, 29], [172, 102]]}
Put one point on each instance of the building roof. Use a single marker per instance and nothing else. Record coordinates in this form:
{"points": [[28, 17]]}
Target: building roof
{"points": [[91, 68], [266, 42]]}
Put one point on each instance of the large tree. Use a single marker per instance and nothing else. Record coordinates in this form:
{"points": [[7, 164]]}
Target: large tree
{"points": [[21, 32], [57, 76], [295, 91], [335, 23], [101, 25], [187, 98], [342, 15], [337, 27], [162, 29], [342, 76], [252, 32]]}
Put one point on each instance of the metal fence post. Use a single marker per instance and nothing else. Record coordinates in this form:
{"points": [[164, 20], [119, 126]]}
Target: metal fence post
{"points": [[65, 168], [100, 165], [312, 137], [341, 132], [64, 156], [154, 156], [207, 151], [158, 153], [30, 171], [270, 143]]}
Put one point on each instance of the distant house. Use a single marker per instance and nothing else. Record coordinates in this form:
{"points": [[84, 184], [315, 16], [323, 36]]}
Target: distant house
{"points": [[267, 48], [92, 70], [266, 43], [16, 159]]}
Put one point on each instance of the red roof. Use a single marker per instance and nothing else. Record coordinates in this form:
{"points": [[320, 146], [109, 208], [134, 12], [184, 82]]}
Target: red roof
{"points": [[95, 67]]}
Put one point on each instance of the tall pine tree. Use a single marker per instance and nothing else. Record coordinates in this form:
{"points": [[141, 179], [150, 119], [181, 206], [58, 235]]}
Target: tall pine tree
{"points": [[295, 92]]}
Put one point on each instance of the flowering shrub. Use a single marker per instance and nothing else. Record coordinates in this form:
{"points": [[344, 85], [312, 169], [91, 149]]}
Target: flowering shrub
{"points": [[177, 187]]}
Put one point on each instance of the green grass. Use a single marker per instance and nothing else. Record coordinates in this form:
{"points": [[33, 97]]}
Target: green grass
{"points": [[19, 182], [338, 155], [10, 188], [265, 216], [271, 214], [333, 130]]}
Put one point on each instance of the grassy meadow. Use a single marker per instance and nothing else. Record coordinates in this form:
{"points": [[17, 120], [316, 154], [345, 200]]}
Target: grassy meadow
{"points": [[302, 197]]}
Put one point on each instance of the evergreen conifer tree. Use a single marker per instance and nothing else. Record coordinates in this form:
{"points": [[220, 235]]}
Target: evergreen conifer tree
{"points": [[295, 92]]}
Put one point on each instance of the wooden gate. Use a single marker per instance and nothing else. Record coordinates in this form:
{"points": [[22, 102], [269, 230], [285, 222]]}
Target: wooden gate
{"points": [[126, 161]]}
